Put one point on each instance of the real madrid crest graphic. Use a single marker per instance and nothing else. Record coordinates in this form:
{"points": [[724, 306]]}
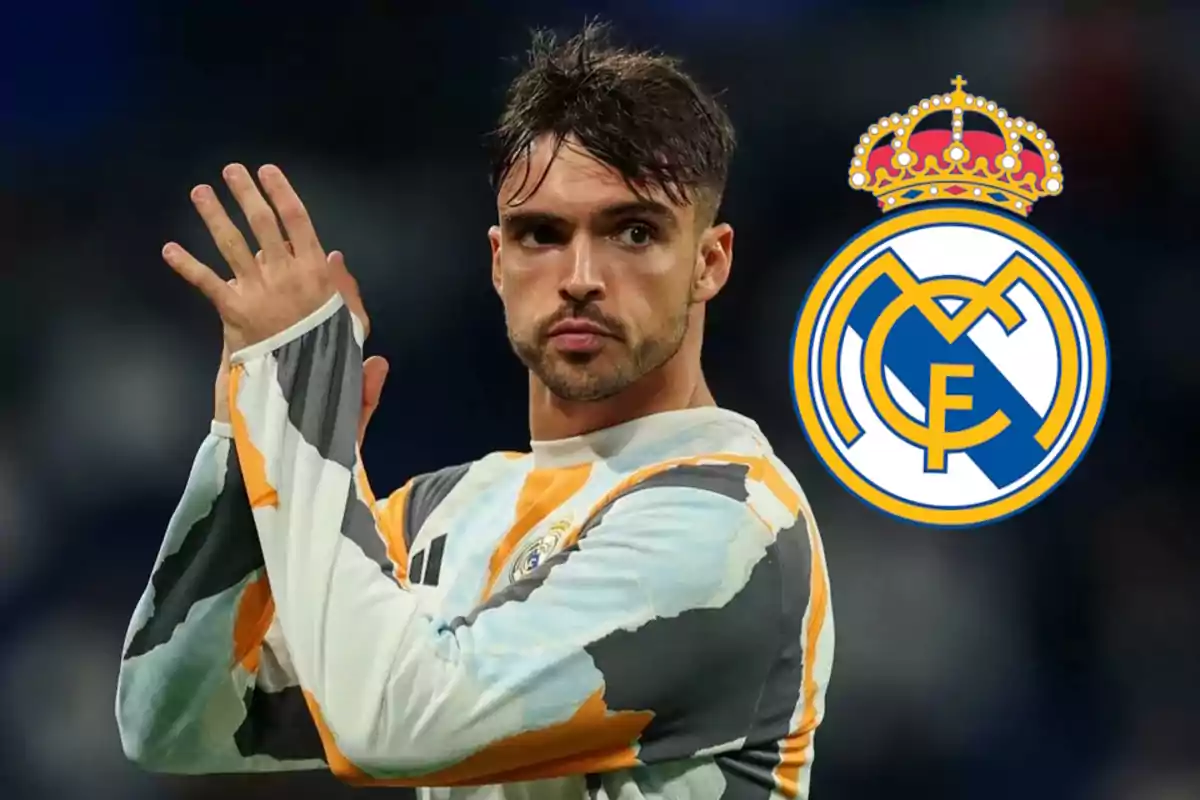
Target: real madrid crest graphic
{"points": [[536, 553], [950, 365]]}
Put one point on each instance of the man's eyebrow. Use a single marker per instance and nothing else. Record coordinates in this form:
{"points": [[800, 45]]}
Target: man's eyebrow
{"points": [[529, 219], [648, 207]]}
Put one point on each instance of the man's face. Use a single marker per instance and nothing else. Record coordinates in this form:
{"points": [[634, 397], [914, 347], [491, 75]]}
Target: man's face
{"points": [[596, 283]]}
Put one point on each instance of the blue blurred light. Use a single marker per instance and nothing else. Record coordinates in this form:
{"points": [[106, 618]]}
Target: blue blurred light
{"points": [[65, 71]]}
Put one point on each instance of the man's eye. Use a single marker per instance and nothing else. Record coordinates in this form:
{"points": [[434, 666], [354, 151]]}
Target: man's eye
{"points": [[541, 236], [637, 234]]}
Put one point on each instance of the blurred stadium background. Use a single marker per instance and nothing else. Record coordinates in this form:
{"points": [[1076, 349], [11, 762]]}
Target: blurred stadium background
{"points": [[1052, 656]]}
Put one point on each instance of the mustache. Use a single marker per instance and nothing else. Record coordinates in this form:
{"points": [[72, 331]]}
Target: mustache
{"points": [[586, 312]]}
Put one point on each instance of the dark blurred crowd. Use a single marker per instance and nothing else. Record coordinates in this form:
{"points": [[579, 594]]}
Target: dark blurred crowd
{"points": [[1054, 655]]}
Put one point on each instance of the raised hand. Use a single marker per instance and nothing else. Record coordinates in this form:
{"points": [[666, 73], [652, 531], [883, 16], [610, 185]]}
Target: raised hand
{"points": [[233, 303], [291, 277]]}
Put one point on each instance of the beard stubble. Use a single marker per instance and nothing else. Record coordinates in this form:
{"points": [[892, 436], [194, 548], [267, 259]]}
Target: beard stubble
{"points": [[592, 377]]}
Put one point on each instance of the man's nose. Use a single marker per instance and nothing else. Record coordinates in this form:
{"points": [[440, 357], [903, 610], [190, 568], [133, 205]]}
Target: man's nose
{"points": [[583, 280]]}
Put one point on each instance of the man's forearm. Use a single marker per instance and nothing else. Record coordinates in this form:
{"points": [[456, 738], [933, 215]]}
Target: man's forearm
{"points": [[194, 647], [398, 694], [295, 404]]}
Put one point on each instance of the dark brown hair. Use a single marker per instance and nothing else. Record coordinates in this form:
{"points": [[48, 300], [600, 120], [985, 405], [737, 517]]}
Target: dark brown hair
{"points": [[636, 111]]}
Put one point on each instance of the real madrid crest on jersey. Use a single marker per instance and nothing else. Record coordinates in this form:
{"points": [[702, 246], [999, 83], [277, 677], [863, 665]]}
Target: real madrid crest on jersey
{"points": [[949, 364], [542, 548]]}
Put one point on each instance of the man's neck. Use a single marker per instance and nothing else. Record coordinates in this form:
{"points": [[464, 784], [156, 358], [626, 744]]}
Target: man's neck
{"points": [[668, 388]]}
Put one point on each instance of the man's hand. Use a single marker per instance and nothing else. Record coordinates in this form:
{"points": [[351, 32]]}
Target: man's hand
{"points": [[233, 247], [290, 279]]}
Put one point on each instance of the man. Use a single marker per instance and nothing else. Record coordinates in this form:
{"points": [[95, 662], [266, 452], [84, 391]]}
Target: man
{"points": [[638, 607]]}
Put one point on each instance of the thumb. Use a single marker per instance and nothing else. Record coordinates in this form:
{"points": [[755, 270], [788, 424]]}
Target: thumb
{"points": [[375, 371]]}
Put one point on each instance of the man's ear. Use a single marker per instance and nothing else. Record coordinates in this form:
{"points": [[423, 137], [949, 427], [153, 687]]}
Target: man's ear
{"points": [[494, 241], [714, 258]]}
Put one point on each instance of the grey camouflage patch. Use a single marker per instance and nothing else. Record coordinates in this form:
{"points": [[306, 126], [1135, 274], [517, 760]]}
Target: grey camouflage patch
{"points": [[327, 357]]}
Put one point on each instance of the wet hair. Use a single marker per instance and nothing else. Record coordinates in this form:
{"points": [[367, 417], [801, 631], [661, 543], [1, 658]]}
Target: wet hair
{"points": [[636, 111]]}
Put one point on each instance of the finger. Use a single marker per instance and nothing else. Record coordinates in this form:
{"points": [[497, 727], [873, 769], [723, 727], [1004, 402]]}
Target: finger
{"points": [[223, 370], [375, 370], [224, 232], [197, 274], [258, 213], [296, 221], [347, 287]]}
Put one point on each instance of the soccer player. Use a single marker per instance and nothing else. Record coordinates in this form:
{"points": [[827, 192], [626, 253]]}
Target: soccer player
{"points": [[637, 607]]}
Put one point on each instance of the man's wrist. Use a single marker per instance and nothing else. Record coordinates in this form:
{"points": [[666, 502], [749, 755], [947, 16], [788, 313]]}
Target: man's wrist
{"points": [[289, 334]]}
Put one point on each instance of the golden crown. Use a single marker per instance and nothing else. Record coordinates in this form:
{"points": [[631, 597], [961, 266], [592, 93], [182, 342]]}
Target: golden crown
{"points": [[956, 146]]}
